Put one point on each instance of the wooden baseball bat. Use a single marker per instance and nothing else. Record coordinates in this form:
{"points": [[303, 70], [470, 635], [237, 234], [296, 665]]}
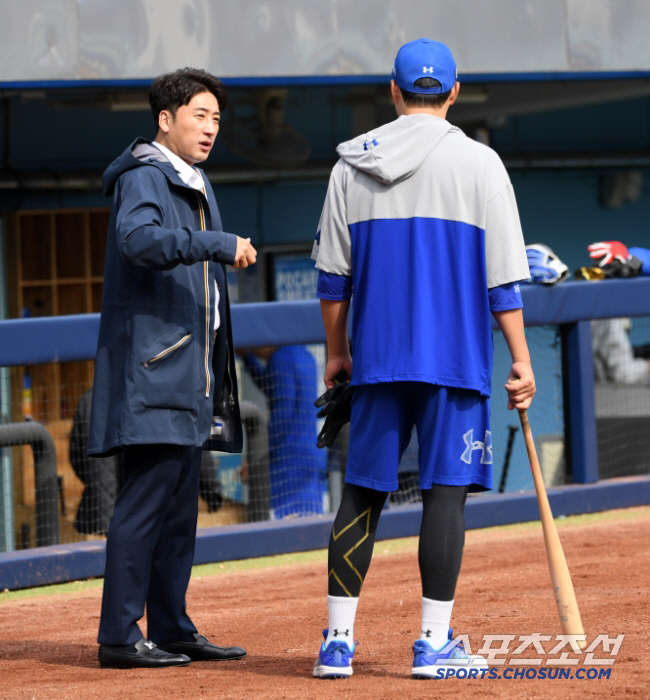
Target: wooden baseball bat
{"points": [[565, 597]]}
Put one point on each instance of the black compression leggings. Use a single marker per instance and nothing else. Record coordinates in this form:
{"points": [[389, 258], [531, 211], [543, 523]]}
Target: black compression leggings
{"points": [[442, 536], [352, 539]]}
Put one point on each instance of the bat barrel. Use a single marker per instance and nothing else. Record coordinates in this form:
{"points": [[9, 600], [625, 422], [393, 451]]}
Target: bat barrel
{"points": [[563, 591]]}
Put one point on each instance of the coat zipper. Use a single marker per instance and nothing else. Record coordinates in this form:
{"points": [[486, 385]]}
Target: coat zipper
{"points": [[231, 397], [166, 351], [206, 287]]}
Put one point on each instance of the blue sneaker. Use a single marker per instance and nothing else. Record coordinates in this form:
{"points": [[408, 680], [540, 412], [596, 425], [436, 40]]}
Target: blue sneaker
{"points": [[334, 660], [429, 663]]}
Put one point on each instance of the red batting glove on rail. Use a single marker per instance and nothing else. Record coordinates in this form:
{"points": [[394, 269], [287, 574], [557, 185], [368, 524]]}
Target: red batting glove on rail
{"points": [[608, 251]]}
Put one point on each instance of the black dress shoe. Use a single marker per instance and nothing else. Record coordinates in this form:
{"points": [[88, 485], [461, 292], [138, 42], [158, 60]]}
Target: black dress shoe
{"points": [[202, 650], [142, 654]]}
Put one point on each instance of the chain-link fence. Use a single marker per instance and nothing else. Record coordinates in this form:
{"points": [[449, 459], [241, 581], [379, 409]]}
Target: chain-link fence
{"points": [[51, 491], [622, 394]]}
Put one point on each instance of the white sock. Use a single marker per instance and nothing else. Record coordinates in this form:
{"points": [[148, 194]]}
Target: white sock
{"points": [[436, 616], [342, 611]]}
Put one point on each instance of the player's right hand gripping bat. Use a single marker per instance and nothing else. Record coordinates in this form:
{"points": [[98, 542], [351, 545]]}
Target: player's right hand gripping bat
{"points": [[565, 597]]}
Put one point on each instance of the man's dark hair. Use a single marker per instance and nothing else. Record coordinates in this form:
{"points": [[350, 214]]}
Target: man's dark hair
{"points": [[173, 90], [416, 99]]}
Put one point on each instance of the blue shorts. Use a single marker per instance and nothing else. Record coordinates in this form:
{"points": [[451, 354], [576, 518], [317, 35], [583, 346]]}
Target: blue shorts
{"points": [[453, 427]]}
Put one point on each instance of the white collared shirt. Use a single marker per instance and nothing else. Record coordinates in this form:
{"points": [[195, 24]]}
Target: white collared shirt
{"points": [[189, 175], [192, 178]]}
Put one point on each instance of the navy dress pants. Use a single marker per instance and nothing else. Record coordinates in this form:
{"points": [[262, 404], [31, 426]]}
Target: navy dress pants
{"points": [[150, 546]]}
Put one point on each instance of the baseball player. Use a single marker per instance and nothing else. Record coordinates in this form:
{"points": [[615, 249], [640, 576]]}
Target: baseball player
{"points": [[420, 227]]}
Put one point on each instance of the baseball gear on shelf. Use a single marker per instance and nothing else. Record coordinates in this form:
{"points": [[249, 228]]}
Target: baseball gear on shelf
{"points": [[643, 254], [608, 251], [615, 259], [336, 408], [429, 663], [589, 273], [545, 266], [334, 660], [623, 268]]}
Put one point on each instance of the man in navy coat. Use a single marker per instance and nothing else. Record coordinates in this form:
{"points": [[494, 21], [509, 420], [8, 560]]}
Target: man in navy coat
{"points": [[165, 384]]}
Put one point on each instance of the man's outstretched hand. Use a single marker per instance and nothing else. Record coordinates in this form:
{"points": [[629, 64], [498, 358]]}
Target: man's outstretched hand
{"points": [[245, 254]]}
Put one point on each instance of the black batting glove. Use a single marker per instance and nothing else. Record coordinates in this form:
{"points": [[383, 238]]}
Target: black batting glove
{"points": [[623, 268], [336, 408]]}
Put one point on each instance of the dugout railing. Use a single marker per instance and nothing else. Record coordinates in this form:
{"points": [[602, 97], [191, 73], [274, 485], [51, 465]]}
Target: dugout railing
{"points": [[568, 308]]}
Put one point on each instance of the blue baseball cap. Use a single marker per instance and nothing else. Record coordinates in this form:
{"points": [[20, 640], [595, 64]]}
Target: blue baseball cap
{"points": [[425, 58]]}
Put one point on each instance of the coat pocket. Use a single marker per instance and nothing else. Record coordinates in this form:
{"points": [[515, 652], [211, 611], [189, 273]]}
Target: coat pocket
{"points": [[166, 351], [167, 374]]}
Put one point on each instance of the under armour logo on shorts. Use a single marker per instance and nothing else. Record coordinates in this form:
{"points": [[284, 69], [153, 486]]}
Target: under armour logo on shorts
{"points": [[471, 445]]}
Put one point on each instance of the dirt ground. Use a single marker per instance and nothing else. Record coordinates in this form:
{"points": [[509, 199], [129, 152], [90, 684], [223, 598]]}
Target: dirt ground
{"points": [[48, 649]]}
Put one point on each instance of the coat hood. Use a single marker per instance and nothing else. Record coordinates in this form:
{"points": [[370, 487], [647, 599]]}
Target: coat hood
{"points": [[394, 151], [140, 152]]}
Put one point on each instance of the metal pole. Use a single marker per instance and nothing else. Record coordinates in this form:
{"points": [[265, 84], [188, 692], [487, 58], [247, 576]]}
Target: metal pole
{"points": [[45, 476]]}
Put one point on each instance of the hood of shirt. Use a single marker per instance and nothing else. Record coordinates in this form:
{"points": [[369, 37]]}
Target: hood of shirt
{"points": [[139, 153], [396, 150]]}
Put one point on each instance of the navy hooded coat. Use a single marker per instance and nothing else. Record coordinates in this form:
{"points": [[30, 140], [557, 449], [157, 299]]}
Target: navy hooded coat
{"points": [[158, 375]]}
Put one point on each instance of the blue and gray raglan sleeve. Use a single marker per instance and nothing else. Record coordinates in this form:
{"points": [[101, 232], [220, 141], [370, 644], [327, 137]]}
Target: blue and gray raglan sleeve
{"points": [[332, 247], [505, 250]]}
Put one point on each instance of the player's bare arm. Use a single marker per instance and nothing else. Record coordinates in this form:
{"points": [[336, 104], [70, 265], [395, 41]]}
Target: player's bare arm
{"points": [[521, 391], [245, 254], [335, 320]]}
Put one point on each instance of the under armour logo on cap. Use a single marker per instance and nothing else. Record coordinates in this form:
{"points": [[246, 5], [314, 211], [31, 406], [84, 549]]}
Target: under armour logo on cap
{"points": [[425, 58]]}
